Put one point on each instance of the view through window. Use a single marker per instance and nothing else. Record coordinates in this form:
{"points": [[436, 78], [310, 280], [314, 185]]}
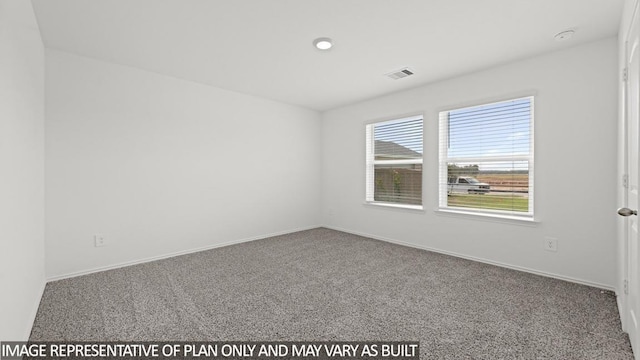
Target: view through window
{"points": [[394, 161], [486, 158]]}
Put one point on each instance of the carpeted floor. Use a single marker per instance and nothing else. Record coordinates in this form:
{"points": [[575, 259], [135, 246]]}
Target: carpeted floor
{"points": [[328, 285]]}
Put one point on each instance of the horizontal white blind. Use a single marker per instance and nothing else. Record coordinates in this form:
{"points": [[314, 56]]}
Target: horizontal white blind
{"points": [[394, 161], [398, 140], [486, 157]]}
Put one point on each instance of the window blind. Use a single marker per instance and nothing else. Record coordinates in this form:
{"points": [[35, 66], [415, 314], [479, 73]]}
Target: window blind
{"points": [[394, 161], [486, 157]]}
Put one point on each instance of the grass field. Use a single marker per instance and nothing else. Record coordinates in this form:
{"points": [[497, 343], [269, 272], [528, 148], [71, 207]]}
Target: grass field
{"points": [[494, 202]]}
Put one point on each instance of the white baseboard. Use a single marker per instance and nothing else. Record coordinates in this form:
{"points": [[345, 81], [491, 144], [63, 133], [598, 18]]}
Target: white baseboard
{"points": [[394, 241], [481, 260], [177, 253]]}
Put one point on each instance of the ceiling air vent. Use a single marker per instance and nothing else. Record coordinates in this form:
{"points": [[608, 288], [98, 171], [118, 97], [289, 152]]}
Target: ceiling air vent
{"points": [[399, 74]]}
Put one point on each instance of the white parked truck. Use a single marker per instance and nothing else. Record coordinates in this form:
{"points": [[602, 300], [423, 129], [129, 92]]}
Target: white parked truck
{"points": [[466, 185]]}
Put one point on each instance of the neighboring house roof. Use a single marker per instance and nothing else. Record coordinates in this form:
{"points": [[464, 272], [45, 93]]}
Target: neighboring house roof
{"points": [[389, 149]]}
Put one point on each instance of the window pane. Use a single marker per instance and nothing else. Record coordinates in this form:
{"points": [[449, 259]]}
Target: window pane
{"points": [[500, 129], [398, 184], [398, 140], [492, 185], [486, 158], [394, 161]]}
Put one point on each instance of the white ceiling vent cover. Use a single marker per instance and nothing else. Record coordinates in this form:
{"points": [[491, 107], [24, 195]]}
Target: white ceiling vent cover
{"points": [[399, 74]]}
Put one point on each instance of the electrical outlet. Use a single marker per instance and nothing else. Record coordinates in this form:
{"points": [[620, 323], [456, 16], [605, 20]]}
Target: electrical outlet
{"points": [[550, 244], [99, 240]]}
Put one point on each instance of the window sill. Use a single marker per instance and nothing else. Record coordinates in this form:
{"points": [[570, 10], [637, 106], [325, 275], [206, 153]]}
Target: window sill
{"points": [[483, 216], [413, 208]]}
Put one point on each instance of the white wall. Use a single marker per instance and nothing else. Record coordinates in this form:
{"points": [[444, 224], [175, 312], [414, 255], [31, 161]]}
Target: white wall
{"points": [[160, 165], [575, 160], [22, 276]]}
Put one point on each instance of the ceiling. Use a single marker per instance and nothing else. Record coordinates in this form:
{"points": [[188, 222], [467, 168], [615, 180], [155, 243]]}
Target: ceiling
{"points": [[264, 47]]}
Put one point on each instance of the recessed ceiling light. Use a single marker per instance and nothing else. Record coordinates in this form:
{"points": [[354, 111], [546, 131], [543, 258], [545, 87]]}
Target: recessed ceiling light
{"points": [[323, 43], [564, 35]]}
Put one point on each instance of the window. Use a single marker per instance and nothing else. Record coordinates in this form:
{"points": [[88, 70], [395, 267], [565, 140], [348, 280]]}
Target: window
{"points": [[394, 162], [486, 158]]}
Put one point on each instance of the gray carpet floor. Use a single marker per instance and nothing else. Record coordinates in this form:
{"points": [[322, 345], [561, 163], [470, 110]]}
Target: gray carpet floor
{"points": [[323, 284]]}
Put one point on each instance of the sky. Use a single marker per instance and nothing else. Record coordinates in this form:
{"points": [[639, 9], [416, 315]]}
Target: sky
{"points": [[499, 129], [406, 133], [493, 130]]}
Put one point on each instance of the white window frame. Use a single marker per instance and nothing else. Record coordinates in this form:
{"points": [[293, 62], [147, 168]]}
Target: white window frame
{"points": [[444, 160], [371, 162]]}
